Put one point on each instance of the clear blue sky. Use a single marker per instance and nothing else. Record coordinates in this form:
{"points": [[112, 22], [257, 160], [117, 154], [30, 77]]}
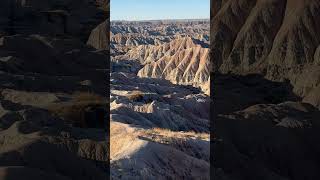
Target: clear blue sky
{"points": [[159, 9]]}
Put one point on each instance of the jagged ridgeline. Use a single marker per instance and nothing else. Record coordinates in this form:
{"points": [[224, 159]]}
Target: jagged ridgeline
{"points": [[178, 53], [52, 90], [265, 56]]}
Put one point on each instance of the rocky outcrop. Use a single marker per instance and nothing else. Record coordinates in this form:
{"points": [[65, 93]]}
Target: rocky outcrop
{"points": [[127, 35], [181, 61], [38, 144], [54, 18], [313, 97], [156, 119], [254, 40], [279, 40], [166, 106], [150, 53], [99, 38], [178, 52], [161, 28], [266, 99], [251, 40], [268, 141]]}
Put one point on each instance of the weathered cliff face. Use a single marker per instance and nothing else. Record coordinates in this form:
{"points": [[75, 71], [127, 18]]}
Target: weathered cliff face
{"points": [[178, 52], [54, 18], [181, 61], [265, 54], [276, 38], [99, 38], [254, 40]]}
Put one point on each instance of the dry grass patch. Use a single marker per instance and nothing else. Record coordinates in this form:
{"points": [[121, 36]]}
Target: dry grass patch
{"points": [[187, 142], [159, 133], [136, 96], [121, 135]]}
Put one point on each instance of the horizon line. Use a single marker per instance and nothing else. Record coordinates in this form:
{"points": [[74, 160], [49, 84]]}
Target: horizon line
{"points": [[164, 19]]}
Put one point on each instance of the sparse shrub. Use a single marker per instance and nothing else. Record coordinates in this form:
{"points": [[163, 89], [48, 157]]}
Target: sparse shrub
{"points": [[136, 96], [161, 132]]}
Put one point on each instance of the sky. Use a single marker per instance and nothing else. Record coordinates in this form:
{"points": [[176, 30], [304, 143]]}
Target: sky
{"points": [[134, 10]]}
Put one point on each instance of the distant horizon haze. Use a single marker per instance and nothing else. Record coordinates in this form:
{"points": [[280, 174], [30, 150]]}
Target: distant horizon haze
{"points": [[143, 20], [153, 10]]}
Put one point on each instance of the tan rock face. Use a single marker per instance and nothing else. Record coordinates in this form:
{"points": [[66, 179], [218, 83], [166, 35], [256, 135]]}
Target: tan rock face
{"points": [[254, 40], [181, 61], [99, 38], [278, 39], [265, 55]]}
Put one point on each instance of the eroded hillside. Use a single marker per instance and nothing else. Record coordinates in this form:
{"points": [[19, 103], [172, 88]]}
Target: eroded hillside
{"points": [[277, 39], [52, 85], [266, 88], [159, 109]]}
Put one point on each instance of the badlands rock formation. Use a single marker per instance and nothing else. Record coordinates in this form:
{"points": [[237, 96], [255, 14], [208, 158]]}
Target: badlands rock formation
{"points": [[266, 88], [52, 85], [181, 61], [251, 40], [159, 115], [178, 55]]}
